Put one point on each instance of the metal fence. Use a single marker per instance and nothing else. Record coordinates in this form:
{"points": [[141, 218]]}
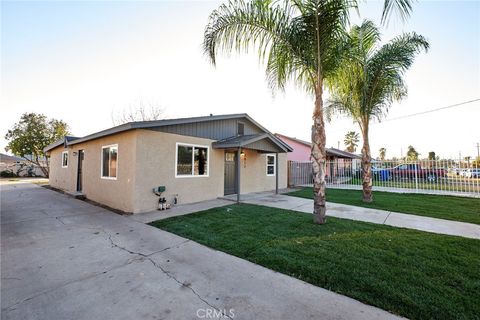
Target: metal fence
{"points": [[453, 177]]}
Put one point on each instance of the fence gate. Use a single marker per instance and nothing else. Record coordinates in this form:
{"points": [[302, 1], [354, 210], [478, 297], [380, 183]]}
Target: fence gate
{"points": [[300, 173]]}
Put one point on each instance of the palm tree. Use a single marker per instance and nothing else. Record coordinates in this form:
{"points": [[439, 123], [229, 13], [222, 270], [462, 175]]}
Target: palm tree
{"points": [[412, 154], [351, 141], [369, 80], [382, 152], [297, 40]]}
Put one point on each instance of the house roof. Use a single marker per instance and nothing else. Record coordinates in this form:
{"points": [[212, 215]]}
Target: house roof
{"points": [[330, 151], [262, 142], [342, 154], [7, 158], [60, 142], [165, 123]]}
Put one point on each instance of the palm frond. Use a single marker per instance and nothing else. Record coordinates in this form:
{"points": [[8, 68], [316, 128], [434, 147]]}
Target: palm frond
{"points": [[370, 79], [298, 40], [269, 27], [402, 7]]}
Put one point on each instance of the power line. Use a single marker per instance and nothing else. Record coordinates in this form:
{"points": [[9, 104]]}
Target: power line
{"points": [[418, 113], [433, 110]]}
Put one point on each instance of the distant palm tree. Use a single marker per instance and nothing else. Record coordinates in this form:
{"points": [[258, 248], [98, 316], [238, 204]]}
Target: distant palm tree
{"points": [[412, 154], [382, 152], [351, 141], [297, 40], [369, 80]]}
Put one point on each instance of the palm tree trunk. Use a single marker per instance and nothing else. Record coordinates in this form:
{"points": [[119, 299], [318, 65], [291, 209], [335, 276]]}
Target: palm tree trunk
{"points": [[366, 166], [318, 160]]}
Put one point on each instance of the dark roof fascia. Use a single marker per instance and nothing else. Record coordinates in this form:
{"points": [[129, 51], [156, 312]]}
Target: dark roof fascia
{"points": [[54, 145], [239, 141], [341, 153], [244, 141], [157, 123], [308, 144], [103, 133], [167, 122], [64, 141]]}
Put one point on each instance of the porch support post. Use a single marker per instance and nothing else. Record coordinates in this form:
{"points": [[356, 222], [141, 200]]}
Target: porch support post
{"points": [[237, 160], [276, 173]]}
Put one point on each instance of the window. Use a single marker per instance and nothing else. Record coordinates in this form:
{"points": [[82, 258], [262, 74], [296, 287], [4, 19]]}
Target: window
{"points": [[229, 156], [64, 159], [271, 164], [109, 162], [192, 160], [240, 129]]}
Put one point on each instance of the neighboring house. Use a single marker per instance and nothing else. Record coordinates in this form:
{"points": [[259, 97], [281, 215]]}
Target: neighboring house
{"points": [[302, 150], [339, 163], [194, 158], [20, 166], [6, 159]]}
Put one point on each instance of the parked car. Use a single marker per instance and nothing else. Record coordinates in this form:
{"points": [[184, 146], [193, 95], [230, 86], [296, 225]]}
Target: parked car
{"points": [[411, 171], [380, 174], [455, 171], [463, 173], [473, 173]]}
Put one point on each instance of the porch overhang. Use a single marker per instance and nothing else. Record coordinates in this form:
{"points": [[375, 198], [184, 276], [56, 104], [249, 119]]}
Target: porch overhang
{"points": [[262, 142]]}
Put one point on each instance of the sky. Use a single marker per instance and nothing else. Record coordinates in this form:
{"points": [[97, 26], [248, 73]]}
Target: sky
{"points": [[83, 61]]}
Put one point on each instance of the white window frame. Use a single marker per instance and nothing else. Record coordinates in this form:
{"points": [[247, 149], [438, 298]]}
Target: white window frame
{"points": [[193, 160], [101, 162], [274, 164], [68, 160]]}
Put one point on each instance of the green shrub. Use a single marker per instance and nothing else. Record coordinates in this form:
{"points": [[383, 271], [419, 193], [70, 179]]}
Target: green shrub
{"points": [[8, 174]]}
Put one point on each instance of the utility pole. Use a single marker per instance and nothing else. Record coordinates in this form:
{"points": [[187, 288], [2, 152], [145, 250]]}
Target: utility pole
{"points": [[478, 150]]}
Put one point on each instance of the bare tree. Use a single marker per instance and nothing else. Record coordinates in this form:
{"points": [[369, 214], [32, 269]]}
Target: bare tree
{"points": [[138, 112]]}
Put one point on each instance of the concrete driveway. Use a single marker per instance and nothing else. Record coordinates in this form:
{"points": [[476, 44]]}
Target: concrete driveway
{"points": [[66, 259]]}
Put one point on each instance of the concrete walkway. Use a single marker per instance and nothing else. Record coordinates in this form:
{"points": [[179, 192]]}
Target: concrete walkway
{"points": [[395, 219], [63, 258]]}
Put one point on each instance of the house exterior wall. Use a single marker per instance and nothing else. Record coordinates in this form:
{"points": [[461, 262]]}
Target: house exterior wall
{"points": [[62, 178], [253, 172], [147, 159], [117, 193], [156, 164], [301, 152]]}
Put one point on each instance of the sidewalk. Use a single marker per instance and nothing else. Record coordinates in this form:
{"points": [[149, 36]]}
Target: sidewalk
{"points": [[395, 219]]}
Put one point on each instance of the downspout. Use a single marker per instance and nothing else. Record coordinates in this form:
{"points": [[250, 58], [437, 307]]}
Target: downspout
{"points": [[237, 160], [276, 173]]}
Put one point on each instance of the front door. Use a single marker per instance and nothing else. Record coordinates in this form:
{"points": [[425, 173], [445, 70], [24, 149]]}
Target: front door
{"points": [[230, 184], [79, 170]]}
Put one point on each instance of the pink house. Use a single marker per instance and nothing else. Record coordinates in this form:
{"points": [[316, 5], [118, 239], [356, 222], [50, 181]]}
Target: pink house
{"points": [[301, 150], [339, 162]]}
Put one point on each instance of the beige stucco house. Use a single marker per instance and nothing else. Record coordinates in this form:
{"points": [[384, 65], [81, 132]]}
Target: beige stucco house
{"points": [[195, 159]]}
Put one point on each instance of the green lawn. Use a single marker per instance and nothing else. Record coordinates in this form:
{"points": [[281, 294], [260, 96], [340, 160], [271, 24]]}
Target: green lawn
{"points": [[415, 274], [443, 207], [456, 184]]}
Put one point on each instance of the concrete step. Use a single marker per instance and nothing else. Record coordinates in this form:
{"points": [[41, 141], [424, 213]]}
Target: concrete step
{"points": [[76, 195]]}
